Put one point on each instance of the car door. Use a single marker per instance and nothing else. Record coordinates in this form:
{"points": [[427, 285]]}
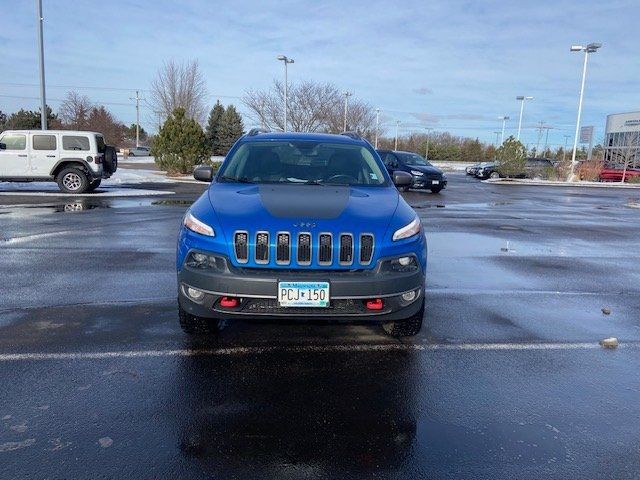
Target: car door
{"points": [[44, 153], [14, 158]]}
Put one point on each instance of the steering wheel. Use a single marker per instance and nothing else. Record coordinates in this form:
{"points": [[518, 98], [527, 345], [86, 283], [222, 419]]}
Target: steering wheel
{"points": [[347, 178]]}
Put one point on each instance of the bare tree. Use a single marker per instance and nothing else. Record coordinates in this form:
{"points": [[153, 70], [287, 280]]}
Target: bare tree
{"points": [[627, 155], [312, 107], [179, 85], [74, 111]]}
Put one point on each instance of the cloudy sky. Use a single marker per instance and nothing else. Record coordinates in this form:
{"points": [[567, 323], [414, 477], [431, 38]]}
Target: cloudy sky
{"points": [[450, 65]]}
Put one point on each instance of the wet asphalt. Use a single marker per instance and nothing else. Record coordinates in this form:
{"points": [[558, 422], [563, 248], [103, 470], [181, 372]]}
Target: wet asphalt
{"points": [[506, 379]]}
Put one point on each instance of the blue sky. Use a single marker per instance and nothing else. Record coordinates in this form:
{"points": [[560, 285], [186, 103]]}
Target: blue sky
{"points": [[450, 65]]}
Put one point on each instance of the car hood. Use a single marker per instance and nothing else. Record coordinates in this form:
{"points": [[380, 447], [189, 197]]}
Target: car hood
{"points": [[428, 169], [302, 208]]}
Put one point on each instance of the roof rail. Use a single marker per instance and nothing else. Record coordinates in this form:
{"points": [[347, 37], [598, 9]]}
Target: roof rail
{"points": [[255, 131], [353, 135]]}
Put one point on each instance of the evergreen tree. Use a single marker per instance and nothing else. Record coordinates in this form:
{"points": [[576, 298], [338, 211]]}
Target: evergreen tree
{"points": [[231, 129], [213, 128], [3, 120], [30, 120], [181, 144], [511, 158]]}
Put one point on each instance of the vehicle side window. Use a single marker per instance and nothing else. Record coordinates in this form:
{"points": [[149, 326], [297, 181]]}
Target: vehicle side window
{"points": [[44, 142], [14, 141], [75, 142], [391, 160], [100, 143]]}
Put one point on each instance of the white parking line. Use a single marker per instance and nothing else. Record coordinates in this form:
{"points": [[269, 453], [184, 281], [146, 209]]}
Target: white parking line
{"points": [[253, 350]]}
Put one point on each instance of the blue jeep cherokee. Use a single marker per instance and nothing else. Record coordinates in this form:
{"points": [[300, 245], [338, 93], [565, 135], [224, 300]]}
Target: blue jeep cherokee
{"points": [[301, 226]]}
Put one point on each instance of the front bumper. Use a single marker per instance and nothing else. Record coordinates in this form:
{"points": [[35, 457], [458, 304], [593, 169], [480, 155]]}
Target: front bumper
{"points": [[257, 291], [427, 183]]}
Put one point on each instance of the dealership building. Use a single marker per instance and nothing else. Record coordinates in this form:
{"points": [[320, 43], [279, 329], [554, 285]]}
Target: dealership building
{"points": [[622, 140]]}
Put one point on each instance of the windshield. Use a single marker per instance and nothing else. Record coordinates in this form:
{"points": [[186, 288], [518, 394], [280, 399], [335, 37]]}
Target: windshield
{"points": [[302, 162], [413, 159]]}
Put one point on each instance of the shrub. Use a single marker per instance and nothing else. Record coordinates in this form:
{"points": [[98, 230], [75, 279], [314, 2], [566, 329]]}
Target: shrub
{"points": [[590, 170], [181, 144], [511, 158]]}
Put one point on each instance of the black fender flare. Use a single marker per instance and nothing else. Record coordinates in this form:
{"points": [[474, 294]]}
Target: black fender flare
{"points": [[60, 164]]}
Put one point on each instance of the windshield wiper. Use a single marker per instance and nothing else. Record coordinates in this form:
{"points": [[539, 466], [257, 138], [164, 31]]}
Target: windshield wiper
{"points": [[234, 179]]}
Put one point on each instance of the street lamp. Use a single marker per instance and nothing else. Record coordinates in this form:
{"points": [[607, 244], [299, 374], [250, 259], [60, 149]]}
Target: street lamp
{"points": [[397, 125], [497, 135], [590, 48], [564, 152], [426, 153], [43, 100], [504, 119], [522, 100], [346, 94], [286, 61], [377, 125]]}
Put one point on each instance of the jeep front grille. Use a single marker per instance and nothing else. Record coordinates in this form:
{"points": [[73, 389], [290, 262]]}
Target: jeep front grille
{"points": [[283, 248], [262, 247], [366, 248], [346, 249], [241, 247], [325, 247], [304, 249]]}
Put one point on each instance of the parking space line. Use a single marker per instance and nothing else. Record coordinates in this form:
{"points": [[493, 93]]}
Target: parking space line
{"points": [[253, 350]]}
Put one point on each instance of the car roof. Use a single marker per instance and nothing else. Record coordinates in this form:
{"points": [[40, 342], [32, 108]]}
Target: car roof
{"points": [[396, 151], [68, 132], [304, 136]]}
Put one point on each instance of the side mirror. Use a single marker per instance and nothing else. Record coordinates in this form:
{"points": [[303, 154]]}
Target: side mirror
{"points": [[203, 173], [3, 146], [402, 179]]}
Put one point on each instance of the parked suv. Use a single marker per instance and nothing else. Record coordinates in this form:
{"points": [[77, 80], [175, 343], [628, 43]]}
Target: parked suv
{"points": [[533, 168], [77, 161], [139, 151], [301, 226], [425, 175]]}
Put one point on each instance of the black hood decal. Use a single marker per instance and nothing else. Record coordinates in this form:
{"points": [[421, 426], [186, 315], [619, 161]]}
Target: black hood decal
{"points": [[304, 201]]}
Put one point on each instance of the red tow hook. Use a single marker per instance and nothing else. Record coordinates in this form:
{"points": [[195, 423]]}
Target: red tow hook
{"points": [[375, 304], [229, 302]]}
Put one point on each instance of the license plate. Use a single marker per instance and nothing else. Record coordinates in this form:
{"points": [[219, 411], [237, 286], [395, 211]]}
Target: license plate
{"points": [[435, 182], [303, 294]]}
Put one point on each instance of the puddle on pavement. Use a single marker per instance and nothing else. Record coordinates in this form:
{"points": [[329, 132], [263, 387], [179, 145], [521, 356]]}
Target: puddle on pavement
{"points": [[85, 204]]}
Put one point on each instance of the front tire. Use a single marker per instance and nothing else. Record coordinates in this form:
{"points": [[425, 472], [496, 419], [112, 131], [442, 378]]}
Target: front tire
{"points": [[405, 328], [73, 180], [194, 325], [494, 175]]}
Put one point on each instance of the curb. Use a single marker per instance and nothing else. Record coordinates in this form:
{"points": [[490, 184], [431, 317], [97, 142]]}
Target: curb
{"points": [[534, 183]]}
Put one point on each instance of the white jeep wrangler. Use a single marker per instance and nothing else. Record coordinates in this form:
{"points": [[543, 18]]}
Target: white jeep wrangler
{"points": [[76, 160]]}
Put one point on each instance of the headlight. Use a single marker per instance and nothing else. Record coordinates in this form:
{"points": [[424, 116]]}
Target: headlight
{"points": [[416, 173], [409, 230], [195, 225]]}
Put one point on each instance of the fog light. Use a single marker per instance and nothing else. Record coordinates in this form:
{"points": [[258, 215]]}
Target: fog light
{"points": [[195, 294], [404, 261], [200, 257], [409, 296]]}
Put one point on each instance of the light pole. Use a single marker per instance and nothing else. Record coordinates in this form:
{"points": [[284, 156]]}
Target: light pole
{"points": [[137, 98], [497, 135], [426, 153], [377, 125], [346, 94], [564, 152], [43, 99], [522, 100], [286, 61], [397, 125], [590, 48], [504, 119]]}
